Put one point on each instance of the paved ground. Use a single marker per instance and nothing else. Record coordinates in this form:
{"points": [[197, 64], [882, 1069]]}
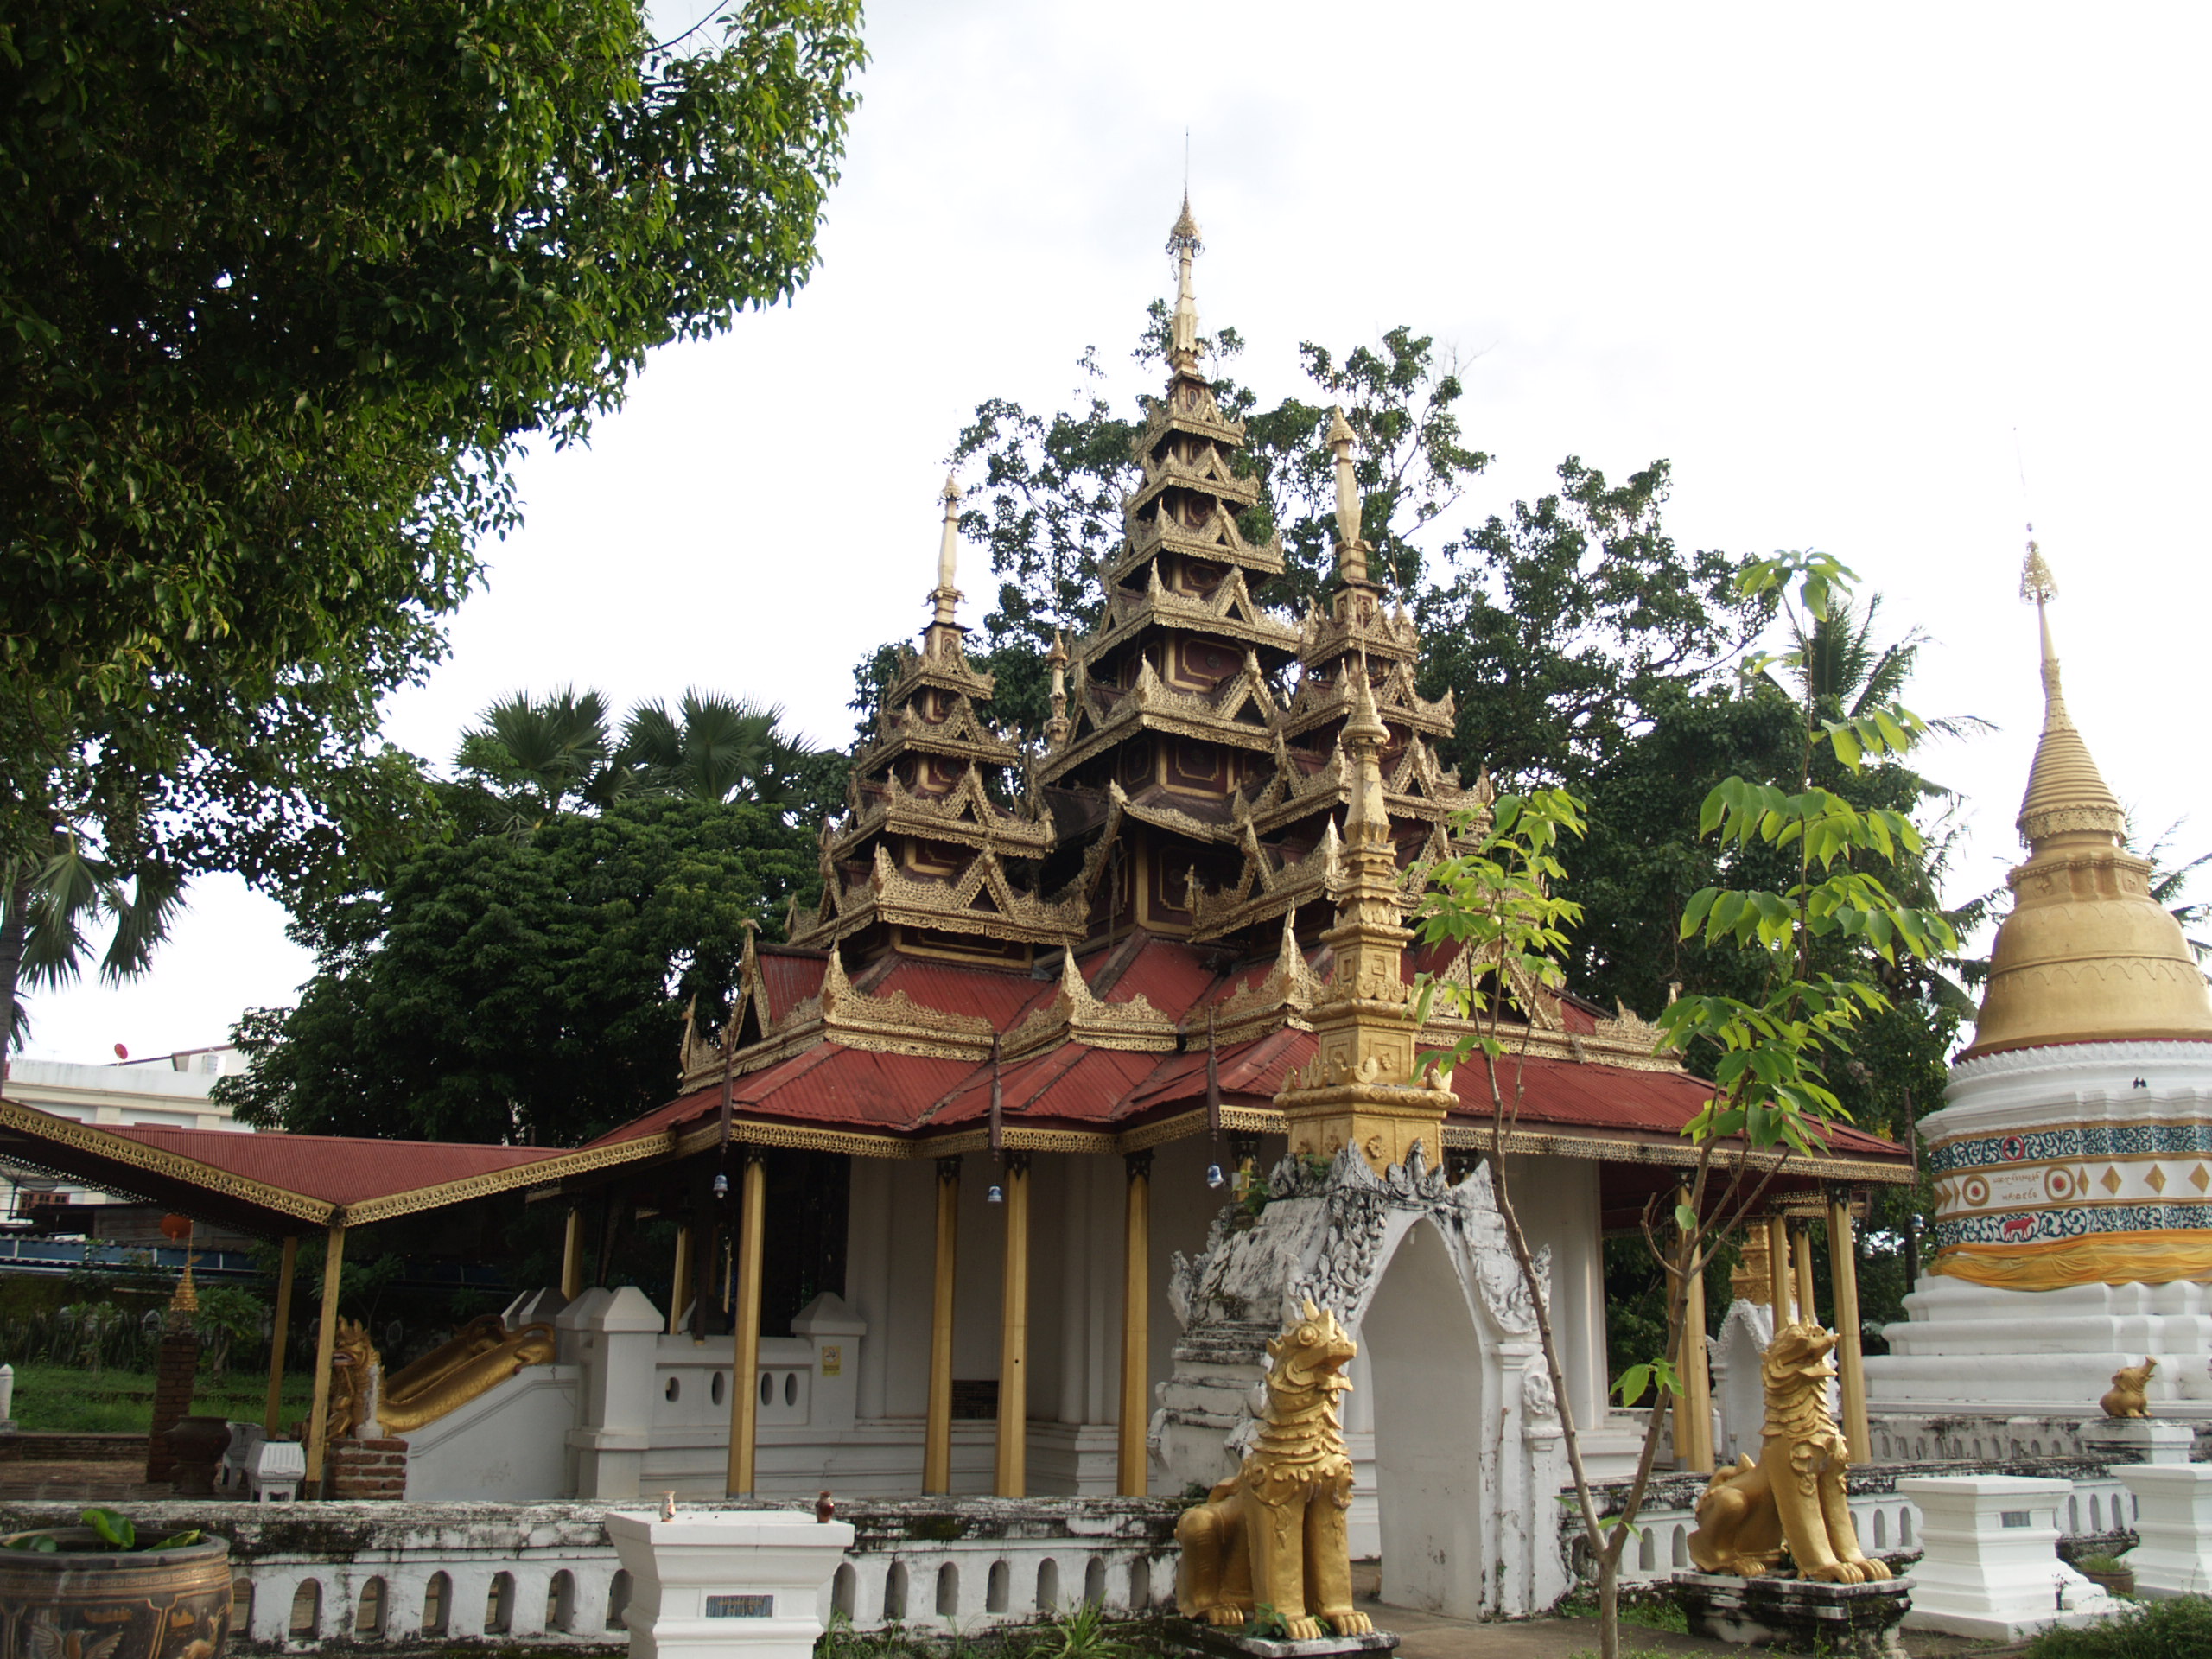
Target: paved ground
{"points": [[104, 1482]]}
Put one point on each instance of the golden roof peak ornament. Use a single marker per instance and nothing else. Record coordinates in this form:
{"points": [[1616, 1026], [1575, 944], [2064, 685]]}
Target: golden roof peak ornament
{"points": [[1057, 728], [1183, 241], [946, 595], [2067, 795], [1351, 552]]}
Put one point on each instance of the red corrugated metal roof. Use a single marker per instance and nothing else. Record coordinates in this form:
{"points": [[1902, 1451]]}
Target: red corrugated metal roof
{"points": [[999, 997], [1073, 1084], [1172, 977], [337, 1169], [787, 979]]}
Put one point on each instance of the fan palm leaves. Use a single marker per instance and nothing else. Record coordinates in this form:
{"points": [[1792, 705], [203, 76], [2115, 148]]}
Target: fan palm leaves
{"points": [[710, 748], [55, 907], [539, 753]]}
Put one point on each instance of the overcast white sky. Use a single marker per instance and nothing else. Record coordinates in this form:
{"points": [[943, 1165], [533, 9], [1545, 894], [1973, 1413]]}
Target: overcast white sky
{"points": [[1826, 260]]}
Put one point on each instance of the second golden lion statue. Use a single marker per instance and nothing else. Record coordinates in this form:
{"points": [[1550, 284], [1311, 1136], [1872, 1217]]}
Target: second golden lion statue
{"points": [[1273, 1536], [1793, 1496]]}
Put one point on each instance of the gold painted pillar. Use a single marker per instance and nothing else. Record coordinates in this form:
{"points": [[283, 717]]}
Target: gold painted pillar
{"points": [[325, 1345], [279, 1329], [572, 1256], [745, 1318], [1693, 1405], [679, 1280], [1011, 1477], [1809, 1307], [1851, 1364], [937, 1431], [1779, 1295], [1135, 1472]]}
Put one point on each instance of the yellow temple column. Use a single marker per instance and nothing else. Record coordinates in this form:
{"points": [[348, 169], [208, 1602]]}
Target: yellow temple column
{"points": [[572, 1256], [1136, 1474], [1011, 1475], [1693, 1405], [1779, 1294], [680, 1277], [1851, 1363], [1801, 1260], [272, 1419], [745, 1317], [937, 1432], [325, 1345]]}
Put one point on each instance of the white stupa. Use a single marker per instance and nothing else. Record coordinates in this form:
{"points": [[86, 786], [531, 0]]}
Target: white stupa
{"points": [[2073, 1156]]}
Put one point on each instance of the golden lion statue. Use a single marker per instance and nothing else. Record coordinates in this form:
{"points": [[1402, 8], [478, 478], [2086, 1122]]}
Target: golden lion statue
{"points": [[1793, 1496], [1272, 1535], [2129, 1396], [483, 1354]]}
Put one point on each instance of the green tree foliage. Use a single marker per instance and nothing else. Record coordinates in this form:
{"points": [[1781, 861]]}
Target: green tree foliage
{"points": [[523, 989], [283, 289]]}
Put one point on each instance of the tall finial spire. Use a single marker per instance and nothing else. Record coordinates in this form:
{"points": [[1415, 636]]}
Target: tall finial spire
{"points": [[1183, 241], [1368, 818], [1351, 552], [2066, 795], [1056, 728], [946, 595]]}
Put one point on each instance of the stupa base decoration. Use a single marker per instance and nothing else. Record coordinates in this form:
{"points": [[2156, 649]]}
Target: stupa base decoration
{"points": [[1192, 1636], [1797, 1615]]}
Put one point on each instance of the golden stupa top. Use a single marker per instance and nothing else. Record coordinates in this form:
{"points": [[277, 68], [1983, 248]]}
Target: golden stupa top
{"points": [[2087, 955]]}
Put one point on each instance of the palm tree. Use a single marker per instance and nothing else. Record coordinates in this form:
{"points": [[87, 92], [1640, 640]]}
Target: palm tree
{"points": [[1845, 674], [535, 755], [50, 903], [713, 748]]}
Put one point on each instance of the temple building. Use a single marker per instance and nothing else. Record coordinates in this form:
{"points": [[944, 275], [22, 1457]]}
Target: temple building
{"points": [[2073, 1156]]}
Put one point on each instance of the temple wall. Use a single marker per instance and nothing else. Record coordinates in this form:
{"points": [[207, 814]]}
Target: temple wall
{"points": [[1557, 1201]]}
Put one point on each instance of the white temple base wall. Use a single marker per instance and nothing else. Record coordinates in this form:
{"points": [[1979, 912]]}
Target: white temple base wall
{"points": [[2006, 1352]]}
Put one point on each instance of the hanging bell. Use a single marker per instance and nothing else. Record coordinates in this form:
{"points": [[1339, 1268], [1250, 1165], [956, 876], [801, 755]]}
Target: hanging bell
{"points": [[1214, 1177], [997, 1195], [722, 1184]]}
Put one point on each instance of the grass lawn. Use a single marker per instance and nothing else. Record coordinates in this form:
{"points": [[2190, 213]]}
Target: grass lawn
{"points": [[61, 1398]]}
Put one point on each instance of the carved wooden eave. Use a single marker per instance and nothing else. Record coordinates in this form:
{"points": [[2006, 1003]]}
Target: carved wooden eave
{"points": [[1189, 406], [1161, 815], [1216, 540], [1240, 712], [1623, 1040], [1280, 1000], [1211, 476], [1228, 614], [1357, 625], [1266, 888], [1320, 701], [962, 734], [964, 816], [981, 900], [943, 668], [1079, 895], [1076, 1015]]}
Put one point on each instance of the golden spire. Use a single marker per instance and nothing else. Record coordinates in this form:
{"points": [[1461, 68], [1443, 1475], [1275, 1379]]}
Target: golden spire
{"points": [[945, 595], [1184, 242], [2087, 955], [1351, 552], [1368, 818], [2067, 796], [1056, 728]]}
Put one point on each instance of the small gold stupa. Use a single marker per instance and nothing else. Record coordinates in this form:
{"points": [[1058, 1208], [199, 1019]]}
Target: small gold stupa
{"points": [[2086, 955]]}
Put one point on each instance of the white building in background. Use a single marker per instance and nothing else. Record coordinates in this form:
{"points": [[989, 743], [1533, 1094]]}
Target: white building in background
{"points": [[169, 1092]]}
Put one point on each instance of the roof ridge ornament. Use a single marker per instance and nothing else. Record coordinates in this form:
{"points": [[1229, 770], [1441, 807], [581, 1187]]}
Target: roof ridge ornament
{"points": [[1351, 552], [946, 594], [1184, 243]]}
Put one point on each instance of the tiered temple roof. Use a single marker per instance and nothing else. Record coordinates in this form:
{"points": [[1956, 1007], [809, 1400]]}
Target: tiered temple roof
{"points": [[1167, 903]]}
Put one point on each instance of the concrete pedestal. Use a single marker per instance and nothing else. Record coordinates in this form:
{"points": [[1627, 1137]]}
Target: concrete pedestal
{"points": [[1852, 1621], [1193, 1636], [2174, 1520], [1991, 1566], [2137, 1439], [722, 1584]]}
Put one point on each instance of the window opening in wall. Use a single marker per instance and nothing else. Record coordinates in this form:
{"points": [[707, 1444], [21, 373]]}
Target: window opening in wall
{"points": [[674, 1388], [948, 1591], [368, 1611], [1094, 1582], [560, 1601], [307, 1610], [1140, 1585], [844, 1591], [500, 1604], [437, 1597], [718, 1388], [894, 1593], [1048, 1586], [618, 1601], [995, 1588]]}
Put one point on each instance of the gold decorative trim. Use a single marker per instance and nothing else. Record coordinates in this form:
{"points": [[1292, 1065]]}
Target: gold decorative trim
{"points": [[582, 1161], [1605, 1149], [91, 1139]]}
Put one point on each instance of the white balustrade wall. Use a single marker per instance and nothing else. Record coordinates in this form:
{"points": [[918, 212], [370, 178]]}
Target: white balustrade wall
{"points": [[545, 1574]]}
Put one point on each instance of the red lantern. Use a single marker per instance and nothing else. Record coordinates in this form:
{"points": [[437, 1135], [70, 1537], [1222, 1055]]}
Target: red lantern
{"points": [[176, 1229]]}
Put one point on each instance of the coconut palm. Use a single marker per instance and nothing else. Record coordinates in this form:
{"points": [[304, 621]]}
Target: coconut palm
{"points": [[53, 907]]}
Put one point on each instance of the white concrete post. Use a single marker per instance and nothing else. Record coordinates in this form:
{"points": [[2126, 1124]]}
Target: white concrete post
{"points": [[616, 1335], [1991, 1569], [7, 1397], [835, 1331], [2150, 1439], [2173, 1518], [728, 1585]]}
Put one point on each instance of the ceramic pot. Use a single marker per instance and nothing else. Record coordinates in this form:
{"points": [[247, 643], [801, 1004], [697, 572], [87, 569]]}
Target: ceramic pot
{"points": [[82, 1603], [196, 1446]]}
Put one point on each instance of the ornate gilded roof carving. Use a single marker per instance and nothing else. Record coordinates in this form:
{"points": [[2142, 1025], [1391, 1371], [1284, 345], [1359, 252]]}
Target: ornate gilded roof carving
{"points": [[962, 734], [1280, 1000], [1358, 624], [1076, 1015], [1320, 702], [966, 816], [1212, 473], [1229, 612], [1241, 711], [1268, 886]]}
